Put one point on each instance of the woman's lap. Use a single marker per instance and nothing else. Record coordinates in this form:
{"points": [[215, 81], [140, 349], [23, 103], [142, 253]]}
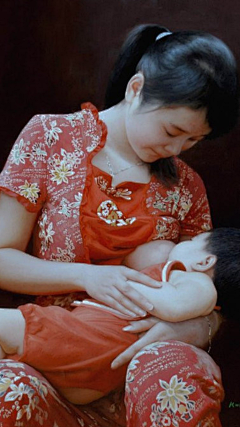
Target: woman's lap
{"points": [[167, 384]]}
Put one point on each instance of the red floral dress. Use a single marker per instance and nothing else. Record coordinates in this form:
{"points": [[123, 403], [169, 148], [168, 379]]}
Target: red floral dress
{"points": [[49, 171]]}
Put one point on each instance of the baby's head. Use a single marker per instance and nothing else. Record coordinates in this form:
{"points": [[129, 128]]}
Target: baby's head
{"points": [[216, 253]]}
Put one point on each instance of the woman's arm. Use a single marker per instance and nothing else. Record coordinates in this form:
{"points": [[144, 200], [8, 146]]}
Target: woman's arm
{"points": [[23, 273], [193, 331]]}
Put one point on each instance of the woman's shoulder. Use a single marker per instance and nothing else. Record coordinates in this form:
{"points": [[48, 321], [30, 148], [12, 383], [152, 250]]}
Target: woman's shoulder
{"points": [[85, 116], [186, 173], [81, 128]]}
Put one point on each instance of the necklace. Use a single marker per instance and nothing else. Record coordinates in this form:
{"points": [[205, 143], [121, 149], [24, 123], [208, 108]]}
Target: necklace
{"points": [[113, 174]]}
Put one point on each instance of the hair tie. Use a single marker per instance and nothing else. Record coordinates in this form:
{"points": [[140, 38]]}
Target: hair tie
{"points": [[161, 35]]}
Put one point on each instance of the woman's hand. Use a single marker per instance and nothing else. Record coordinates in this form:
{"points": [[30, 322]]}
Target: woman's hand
{"points": [[109, 284], [193, 331]]}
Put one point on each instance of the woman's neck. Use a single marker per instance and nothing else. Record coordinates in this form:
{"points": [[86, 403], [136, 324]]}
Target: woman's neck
{"points": [[117, 156], [117, 140]]}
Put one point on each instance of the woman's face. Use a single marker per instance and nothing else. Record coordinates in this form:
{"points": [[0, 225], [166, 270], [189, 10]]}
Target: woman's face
{"points": [[167, 131]]}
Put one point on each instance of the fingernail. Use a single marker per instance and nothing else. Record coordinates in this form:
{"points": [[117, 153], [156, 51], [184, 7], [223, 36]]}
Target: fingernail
{"points": [[114, 365], [150, 307], [142, 313], [127, 328]]}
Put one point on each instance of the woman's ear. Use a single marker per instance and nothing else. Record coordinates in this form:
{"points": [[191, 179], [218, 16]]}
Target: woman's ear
{"points": [[134, 87], [205, 264]]}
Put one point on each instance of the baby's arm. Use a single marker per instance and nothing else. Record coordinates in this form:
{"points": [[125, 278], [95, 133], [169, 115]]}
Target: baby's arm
{"points": [[150, 253], [186, 295]]}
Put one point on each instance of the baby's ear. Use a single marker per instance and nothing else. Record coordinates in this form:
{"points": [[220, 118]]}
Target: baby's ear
{"points": [[205, 264]]}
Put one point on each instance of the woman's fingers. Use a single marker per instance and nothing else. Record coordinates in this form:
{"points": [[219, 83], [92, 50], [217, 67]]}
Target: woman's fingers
{"points": [[125, 306], [125, 298], [117, 287], [138, 301], [156, 332], [142, 325], [142, 278], [129, 353]]}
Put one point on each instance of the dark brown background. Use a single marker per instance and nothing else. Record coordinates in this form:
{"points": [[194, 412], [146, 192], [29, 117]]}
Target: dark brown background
{"points": [[56, 54]]}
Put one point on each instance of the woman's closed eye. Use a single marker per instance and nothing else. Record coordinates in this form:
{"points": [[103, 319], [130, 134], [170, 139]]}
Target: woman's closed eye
{"points": [[170, 134]]}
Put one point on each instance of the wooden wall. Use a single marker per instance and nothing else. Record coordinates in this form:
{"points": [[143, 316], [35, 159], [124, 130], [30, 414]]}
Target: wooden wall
{"points": [[56, 54]]}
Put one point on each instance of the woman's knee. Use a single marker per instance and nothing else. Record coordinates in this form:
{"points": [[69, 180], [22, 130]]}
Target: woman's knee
{"points": [[172, 382], [27, 398]]}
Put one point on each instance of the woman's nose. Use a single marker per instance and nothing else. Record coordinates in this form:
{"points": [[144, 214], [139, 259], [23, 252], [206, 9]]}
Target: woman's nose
{"points": [[174, 148]]}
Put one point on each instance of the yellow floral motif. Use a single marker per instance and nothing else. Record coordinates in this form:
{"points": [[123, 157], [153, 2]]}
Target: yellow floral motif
{"points": [[60, 174], [174, 395], [30, 191]]}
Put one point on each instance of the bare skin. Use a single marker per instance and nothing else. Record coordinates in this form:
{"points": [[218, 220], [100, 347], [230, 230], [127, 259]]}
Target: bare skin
{"points": [[26, 274]]}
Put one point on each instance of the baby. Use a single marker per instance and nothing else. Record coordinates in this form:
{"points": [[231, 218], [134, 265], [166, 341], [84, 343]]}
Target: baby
{"points": [[74, 350]]}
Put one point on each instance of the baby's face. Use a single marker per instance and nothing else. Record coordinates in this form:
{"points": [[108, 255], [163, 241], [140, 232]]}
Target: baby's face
{"points": [[191, 251]]}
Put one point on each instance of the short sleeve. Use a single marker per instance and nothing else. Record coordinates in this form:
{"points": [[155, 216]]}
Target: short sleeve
{"points": [[194, 211], [24, 175]]}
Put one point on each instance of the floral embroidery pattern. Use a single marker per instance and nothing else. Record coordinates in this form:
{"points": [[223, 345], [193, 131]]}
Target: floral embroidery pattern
{"points": [[46, 232], [65, 255], [70, 209], [52, 134], [172, 201], [167, 229], [30, 191], [22, 387], [176, 399], [38, 152], [175, 396], [60, 173], [124, 193], [75, 118], [186, 203], [18, 154], [108, 212]]}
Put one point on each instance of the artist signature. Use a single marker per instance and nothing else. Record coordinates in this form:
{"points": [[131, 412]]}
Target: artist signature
{"points": [[234, 404]]}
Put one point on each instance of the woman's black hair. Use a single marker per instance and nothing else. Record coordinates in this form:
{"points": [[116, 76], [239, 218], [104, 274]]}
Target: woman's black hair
{"points": [[225, 244], [185, 68]]}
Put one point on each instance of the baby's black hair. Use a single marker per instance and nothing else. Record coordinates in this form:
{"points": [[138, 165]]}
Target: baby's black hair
{"points": [[225, 244]]}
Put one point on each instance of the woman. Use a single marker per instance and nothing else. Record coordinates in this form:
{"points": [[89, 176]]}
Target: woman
{"points": [[90, 189]]}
